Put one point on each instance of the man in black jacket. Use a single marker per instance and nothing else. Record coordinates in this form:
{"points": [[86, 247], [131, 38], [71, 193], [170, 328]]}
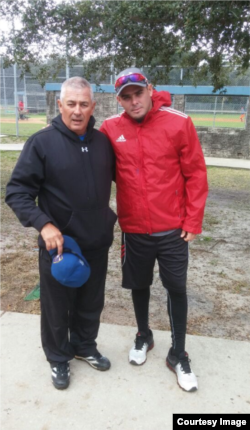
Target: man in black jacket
{"points": [[69, 166]]}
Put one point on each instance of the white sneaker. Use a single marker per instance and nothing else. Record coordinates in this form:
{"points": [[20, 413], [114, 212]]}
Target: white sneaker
{"points": [[180, 366], [143, 343]]}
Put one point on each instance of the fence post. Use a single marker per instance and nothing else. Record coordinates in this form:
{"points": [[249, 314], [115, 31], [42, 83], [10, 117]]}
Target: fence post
{"points": [[25, 94], [16, 101], [247, 116], [4, 91], [215, 105]]}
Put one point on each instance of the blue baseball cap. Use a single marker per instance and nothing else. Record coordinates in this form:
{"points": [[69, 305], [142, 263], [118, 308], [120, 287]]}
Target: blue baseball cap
{"points": [[69, 268]]}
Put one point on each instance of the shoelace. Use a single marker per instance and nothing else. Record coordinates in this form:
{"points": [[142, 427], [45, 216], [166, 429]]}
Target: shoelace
{"points": [[139, 342], [96, 356], [62, 368], [185, 364]]}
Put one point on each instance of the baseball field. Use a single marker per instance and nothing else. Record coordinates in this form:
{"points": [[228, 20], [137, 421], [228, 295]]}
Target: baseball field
{"points": [[34, 122], [229, 120], [31, 123]]}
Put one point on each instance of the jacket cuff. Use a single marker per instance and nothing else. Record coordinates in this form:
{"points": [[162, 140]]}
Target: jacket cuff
{"points": [[40, 222], [192, 229]]}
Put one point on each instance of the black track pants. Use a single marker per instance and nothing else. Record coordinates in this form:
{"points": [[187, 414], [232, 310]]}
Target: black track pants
{"points": [[70, 317]]}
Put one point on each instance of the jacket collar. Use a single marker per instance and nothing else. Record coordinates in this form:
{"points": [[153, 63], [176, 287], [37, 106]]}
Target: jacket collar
{"points": [[60, 126]]}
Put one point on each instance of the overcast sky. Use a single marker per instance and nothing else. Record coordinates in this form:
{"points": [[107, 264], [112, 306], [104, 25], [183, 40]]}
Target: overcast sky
{"points": [[6, 25]]}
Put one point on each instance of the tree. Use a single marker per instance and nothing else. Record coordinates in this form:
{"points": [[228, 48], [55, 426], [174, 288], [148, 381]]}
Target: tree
{"points": [[205, 37]]}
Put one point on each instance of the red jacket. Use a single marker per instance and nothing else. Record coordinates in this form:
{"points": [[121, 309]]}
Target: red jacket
{"points": [[160, 170]]}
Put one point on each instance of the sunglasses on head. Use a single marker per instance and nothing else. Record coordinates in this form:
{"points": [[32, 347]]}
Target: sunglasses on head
{"points": [[134, 77]]}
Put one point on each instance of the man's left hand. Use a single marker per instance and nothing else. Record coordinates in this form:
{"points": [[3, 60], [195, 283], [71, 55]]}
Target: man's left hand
{"points": [[188, 237]]}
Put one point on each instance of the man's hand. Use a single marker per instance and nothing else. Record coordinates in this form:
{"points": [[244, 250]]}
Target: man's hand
{"points": [[52, 237], [188, 237]]}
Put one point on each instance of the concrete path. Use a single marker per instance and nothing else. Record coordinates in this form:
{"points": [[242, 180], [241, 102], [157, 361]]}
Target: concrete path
{"points": [[236, 163], [11, 146], [124, 398]]}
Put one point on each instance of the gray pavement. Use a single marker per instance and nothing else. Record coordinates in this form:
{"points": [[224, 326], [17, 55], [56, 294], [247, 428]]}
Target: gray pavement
{"points": [[126, 397], [11, 146], [235, 163]]}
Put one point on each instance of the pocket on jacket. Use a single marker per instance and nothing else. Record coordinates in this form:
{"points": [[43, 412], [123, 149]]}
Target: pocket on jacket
{"points": [[92, 229]]}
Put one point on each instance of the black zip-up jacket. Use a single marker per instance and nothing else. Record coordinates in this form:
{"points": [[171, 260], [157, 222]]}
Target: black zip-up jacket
{"points": [[72, 180]]}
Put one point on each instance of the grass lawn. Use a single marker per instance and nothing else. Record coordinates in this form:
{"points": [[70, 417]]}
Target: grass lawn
{"points": [[8, 161], [230, 179], [206, 119], [11, 115], [26, 128]]}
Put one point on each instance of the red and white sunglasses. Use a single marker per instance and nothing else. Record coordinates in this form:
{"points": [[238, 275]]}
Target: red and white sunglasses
{"points": [[134, 77]]}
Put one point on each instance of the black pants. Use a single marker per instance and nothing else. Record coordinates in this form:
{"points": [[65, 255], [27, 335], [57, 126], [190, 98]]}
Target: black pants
{"points": [[70, 317], [139, 253]]}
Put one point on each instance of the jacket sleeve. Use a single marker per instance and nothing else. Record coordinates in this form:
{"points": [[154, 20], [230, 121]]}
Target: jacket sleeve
{"points": [[24, 186], [194, 170], [104, 131]]}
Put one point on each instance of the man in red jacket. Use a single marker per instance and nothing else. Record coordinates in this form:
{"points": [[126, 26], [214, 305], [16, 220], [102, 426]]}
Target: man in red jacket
{"points": [[161, 193]]}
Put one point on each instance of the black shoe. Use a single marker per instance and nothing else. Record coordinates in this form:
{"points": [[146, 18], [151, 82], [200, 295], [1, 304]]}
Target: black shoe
{"points": [[143, 344], [60, 375], [97, 361]]}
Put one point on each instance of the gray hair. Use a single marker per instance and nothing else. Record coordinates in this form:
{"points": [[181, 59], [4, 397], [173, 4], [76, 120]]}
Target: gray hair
{"points": [[76, 82]]}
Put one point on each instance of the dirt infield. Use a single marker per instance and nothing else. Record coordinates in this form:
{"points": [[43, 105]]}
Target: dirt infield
{"points": [[23, 121]]}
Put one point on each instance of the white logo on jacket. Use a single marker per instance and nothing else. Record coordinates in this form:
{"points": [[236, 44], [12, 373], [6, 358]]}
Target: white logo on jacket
{"points": [[85, 149], [121, 139]]}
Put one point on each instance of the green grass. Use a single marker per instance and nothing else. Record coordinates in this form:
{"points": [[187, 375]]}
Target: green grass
{"points": [[235, 179], [221, 120], [8, 114], [11, 115], [13, 139], [25, 127], [8, 161]]}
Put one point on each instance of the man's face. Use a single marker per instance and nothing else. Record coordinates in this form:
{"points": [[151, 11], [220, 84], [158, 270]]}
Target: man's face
{"points": [[136, 101], [76, 109]]}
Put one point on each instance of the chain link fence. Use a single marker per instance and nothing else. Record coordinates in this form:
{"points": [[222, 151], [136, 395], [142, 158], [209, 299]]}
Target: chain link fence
{"points": [[217, 111], [23, 101]]}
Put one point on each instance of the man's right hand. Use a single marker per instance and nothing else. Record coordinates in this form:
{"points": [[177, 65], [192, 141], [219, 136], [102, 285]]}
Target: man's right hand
{"points": [[52, 237]]}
